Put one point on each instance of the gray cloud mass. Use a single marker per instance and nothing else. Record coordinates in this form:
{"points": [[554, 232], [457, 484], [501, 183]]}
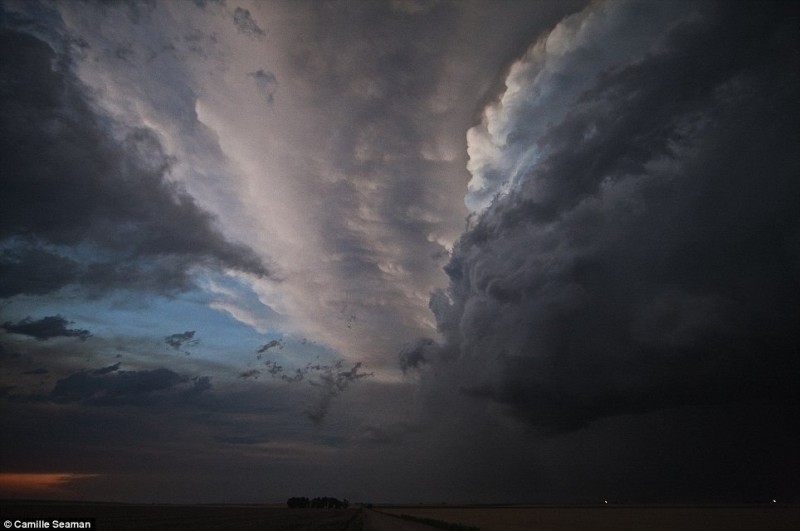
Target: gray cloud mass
{"points": [[68, 183], [650, 259], [46, 328], [108, 386]]}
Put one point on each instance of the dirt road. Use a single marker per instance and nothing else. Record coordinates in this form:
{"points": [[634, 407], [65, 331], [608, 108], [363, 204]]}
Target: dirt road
{"points": [[374, 521]]}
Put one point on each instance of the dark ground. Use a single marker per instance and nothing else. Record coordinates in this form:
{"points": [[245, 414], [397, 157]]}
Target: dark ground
{"points": [[123, 517], [613, 517]]}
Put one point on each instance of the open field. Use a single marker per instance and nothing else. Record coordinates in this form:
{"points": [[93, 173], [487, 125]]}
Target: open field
{"points": [[612, 518], [123, 517], [378, 521]]}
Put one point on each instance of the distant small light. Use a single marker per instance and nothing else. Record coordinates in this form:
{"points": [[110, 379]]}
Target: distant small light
{"points": [[774, 501], [605, 501]]}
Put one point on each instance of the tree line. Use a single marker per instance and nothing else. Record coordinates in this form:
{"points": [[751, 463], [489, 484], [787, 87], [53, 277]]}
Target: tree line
{"points": [[301, 502]]}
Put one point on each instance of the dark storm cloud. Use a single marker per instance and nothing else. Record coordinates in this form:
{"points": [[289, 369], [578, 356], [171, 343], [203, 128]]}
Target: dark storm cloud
{"points": [[182, 340], [28, 270], [651, 258], [246, 24], [267, 83], [79, 206], [110, 386], [46, 328]]}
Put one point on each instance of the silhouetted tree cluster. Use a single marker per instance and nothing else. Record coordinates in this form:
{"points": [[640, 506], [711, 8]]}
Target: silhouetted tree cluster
{"points": [[317, 503], [298, 502]]}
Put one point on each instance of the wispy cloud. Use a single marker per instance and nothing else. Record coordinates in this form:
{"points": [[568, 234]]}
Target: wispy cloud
{"points": [[329, 379]]}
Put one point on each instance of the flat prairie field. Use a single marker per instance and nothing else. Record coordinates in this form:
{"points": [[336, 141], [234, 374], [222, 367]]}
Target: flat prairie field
{"points": [[124, 517], [612, 518]]}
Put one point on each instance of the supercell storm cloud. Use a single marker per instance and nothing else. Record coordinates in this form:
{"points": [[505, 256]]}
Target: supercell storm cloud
{"points": [[645, 254], [402, 251]]}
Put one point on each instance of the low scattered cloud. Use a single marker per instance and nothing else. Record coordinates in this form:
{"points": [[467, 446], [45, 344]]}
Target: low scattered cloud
{"points": [[182, 340], [330, 380], [246, 24], [46, 328], [275, 343], [267, 83]]}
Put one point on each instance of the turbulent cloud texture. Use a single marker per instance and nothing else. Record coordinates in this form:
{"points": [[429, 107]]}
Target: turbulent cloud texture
{"points": [[575, 222], [646, 254], [84, 206]]}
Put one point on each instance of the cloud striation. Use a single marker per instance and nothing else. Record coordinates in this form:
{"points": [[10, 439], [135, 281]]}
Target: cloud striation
{"points": [[85, 201]]}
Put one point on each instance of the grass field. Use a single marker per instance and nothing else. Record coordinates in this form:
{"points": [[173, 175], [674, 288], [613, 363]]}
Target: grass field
{"points": [[120, 517], [612, 518]]}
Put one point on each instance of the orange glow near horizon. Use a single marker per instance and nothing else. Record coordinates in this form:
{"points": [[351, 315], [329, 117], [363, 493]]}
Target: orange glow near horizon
{"points": [[41, 483]]}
